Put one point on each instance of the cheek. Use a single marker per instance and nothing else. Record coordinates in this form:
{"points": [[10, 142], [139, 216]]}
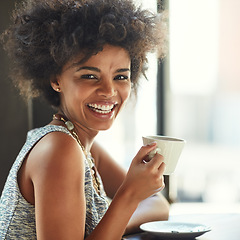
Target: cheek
{"points": [[73, 95], [125, 92]]}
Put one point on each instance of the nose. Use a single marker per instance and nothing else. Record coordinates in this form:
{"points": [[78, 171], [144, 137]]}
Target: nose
{"points": [[107, 88]]}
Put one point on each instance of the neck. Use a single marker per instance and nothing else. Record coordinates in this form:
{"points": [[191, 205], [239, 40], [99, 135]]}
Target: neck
{"points": [[85, 136]]}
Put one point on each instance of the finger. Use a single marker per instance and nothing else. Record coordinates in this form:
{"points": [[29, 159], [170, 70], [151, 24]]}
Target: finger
{"points": [[160, 184], [143, 152], [161, 188], [156, 161], [153, 152], [162, 168]]}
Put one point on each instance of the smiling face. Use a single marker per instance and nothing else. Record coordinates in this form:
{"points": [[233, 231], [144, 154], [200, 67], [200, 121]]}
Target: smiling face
{"points": [[93, 93]]}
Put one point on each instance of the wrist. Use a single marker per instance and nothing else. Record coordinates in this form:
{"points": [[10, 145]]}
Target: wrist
{"points": [[127, 197], [118, 214]]}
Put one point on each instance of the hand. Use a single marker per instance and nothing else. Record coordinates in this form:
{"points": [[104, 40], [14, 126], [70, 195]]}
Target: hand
{"points": [[145, 176]]}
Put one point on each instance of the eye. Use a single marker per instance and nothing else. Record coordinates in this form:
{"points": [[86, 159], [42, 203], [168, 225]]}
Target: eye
{"points": [[89, 76], [121, 77]]}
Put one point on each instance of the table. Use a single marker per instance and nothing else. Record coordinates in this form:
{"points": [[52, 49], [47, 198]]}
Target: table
{"points": [[225, 225]]}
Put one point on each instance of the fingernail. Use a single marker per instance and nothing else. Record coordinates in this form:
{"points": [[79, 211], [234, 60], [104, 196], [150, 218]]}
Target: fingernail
{"points": [[152, 144]]}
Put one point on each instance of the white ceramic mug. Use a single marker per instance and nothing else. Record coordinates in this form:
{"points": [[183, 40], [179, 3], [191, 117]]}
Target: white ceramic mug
{"points": [[169, 147]]}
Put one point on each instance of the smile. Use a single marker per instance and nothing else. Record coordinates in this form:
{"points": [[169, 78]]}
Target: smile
{"points": [[103, 109]]}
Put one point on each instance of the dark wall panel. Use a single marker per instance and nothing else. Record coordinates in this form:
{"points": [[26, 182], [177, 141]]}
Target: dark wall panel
{"points": [[16, 117], [13, 110]]}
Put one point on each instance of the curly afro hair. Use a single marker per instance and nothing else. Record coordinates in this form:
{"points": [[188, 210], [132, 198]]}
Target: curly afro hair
{"points": [[46, 34]]}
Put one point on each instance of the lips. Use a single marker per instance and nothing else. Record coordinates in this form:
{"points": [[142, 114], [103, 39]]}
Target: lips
{"points": [[102, 108]]}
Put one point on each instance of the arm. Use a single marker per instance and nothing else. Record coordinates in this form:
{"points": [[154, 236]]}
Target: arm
{"points": [[57, 173], [141, 181], [56, 166], [153, 208]]}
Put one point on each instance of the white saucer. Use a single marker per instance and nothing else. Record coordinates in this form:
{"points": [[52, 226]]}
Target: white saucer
{"points": [[174, 230]]}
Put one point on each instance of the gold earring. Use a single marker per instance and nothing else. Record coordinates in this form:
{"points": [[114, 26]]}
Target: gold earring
{"points": [[58, 89]]}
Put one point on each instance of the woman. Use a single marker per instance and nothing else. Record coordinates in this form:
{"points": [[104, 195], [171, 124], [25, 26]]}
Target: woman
{"points": [[84, 57]]}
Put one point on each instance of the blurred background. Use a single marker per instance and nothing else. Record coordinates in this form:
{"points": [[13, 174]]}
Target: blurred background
{"points": [[193, 94]]}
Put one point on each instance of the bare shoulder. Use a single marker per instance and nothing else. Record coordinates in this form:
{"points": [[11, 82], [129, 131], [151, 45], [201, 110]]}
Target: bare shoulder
{"points": [[102, 157], [56, 160], [57, 171], [55, 154], [96, 151], [111, 172], [100, 154]]}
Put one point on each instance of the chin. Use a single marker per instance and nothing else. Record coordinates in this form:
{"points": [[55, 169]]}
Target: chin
{"points": [[103, 127]]}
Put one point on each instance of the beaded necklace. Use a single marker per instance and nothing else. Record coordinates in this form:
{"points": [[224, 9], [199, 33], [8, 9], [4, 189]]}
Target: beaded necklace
{"points": [[69, 125]]}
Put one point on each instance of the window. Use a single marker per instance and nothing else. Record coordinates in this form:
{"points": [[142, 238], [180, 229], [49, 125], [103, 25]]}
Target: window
{"points": [[204, 98], [202, 102]]}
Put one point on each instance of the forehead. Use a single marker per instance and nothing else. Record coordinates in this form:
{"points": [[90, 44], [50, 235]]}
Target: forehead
{"points": [[109, 57]]}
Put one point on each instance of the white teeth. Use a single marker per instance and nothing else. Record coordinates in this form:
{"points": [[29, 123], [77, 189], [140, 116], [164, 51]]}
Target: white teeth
{"points": [[101, 108]]}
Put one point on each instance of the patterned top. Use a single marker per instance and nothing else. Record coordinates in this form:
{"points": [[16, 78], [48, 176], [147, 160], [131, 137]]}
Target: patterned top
{"points": [[17, 216]]}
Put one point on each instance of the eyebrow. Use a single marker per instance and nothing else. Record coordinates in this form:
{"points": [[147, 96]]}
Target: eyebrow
{"points": [[98, 70], [89, 68], [123, 70]]}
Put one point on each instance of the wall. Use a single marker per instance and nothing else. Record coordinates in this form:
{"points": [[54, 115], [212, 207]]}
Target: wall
{"points": [[15, 115]]}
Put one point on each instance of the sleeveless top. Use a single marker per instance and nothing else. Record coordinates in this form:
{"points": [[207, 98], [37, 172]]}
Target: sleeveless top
{"points": [[17, 216]]}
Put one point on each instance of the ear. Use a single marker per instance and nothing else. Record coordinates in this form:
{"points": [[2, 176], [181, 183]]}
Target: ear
{"points": [[55, 84]]}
